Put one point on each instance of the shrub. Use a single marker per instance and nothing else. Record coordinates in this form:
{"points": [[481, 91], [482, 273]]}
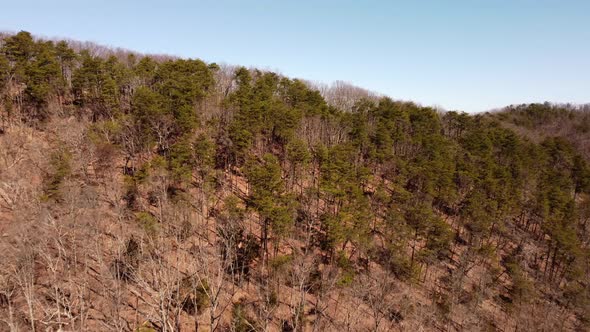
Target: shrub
{"points": [[193, 294], [241, 320], [280, 262], [60, 169], [148, 222]]}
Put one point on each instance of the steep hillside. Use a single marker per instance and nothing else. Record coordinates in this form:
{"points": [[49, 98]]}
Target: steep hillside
{"points": [[144, 193]]}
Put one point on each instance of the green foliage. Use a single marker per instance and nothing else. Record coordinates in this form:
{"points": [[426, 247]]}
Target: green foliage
{"points": [[241, 320], [42, 74], [145, 327], [181, 160], [108, 131], [340, 174], [299, 96], [60, 168], [522, 289], [145, 70], [148, 114], [192, 294], [333, 232], [280, 262], [95, 86], [20, 47], [438, 241], [264, 179], [348, 273], [182, 83], [35, 64], [266, 105], [275, 209], [4, 72], [148, 222], [204, 154], [401, 266]]}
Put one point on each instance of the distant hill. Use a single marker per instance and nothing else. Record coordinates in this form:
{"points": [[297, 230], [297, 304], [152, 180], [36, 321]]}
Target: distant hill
{"points": [[539, 121]]}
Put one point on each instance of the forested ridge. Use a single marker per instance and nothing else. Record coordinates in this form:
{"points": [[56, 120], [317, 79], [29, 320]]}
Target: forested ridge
{"points": [[153, 193]]}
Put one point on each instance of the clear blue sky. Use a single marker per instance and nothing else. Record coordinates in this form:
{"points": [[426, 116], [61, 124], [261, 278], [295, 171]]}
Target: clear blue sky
{"points": [[470, 55]]}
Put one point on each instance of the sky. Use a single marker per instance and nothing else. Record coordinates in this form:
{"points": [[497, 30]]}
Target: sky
{"points": [[467, 55]]}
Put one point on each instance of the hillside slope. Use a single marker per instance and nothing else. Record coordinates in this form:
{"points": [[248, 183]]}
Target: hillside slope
{"points": [[146, 193]]}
